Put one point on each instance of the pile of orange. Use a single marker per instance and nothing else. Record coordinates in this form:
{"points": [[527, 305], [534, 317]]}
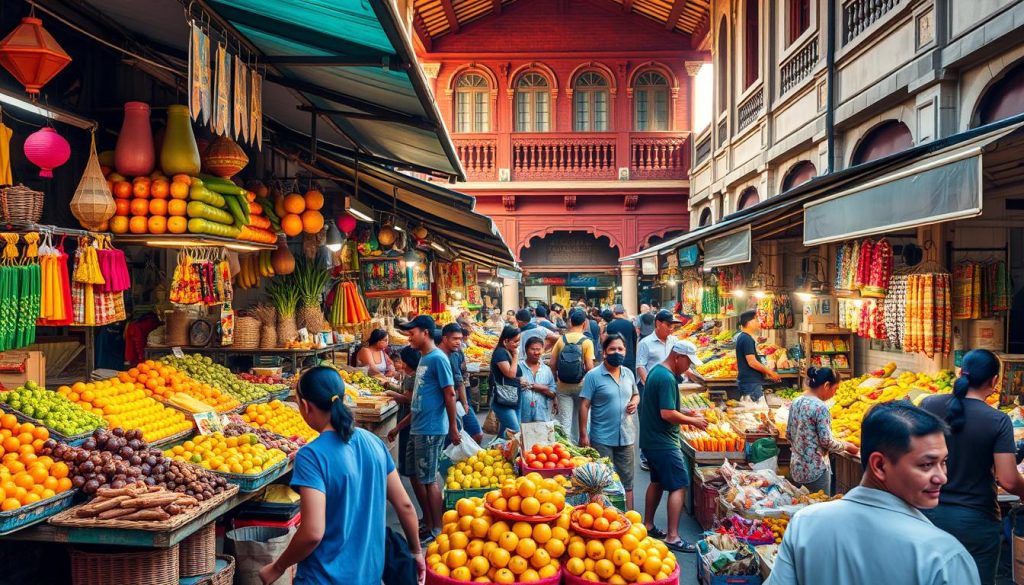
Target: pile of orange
{"points": [[124, 405], [25, 478], [301, 213], [163, 382], [631, 558], [149, 205], [598, 518], [529, 497], [277, 417]]}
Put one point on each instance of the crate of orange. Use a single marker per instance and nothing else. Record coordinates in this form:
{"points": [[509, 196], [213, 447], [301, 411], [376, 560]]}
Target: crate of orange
{"points": [[547, 460], [123, 404], [33, 488], [164, 382]]}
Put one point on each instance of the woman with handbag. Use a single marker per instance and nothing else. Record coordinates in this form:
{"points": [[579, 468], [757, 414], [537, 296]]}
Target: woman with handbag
{"points": [[505, 384]]}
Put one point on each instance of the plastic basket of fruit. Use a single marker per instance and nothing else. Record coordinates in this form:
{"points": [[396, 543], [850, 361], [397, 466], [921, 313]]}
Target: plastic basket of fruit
{"points": [[503, 576], [570, 579], [596, 521], [251, 483], [517, 517], [73, 440], [283, 394], [228, 457], [18, 518]]}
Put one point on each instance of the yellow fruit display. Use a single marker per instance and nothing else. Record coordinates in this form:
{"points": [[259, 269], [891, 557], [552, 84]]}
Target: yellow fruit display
{"points": [[486, 469], [633, 558], [170, 385], [124, 405], [243, 454], [278, 417], [778, 526]]}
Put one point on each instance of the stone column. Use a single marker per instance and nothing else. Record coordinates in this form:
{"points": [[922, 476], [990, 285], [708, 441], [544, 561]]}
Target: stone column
{"points": [[509, 294], [629, 286]]}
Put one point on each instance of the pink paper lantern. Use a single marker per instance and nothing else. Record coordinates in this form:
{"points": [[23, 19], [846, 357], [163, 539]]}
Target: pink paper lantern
{"points": [[347, 224], [47, 150]]}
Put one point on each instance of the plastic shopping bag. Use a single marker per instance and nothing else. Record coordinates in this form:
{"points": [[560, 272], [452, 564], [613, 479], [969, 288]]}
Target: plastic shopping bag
{"points": [[464, 450]]}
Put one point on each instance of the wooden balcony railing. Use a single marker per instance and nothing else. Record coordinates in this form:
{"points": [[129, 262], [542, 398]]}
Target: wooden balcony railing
{"points": [[552, 155], [798, 65], [858, 15], [479, 155], [750, 108], [657, 156]]}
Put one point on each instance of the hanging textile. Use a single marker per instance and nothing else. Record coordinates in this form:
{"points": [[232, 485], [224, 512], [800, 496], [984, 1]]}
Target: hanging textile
{"points": [[894, 309], [241, 102], [929, 312], [199, 75], [980, 289], [5, 155], [222, 95], [256, 110]]}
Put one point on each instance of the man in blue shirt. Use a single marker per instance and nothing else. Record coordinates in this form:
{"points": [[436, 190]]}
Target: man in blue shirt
{"points": [[750, 372], [528, 328], [451, 343], [433, 414], [542, 318]]}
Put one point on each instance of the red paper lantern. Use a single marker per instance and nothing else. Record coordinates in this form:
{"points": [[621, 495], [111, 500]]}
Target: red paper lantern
{"points": [[31, 55], [347, 224], [47, 150]]}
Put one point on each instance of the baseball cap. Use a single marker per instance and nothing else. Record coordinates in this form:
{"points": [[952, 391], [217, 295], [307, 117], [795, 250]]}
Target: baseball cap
{"points": [[683, 347], [523, 316], [666, 316], [425, 322], [618, 310]]}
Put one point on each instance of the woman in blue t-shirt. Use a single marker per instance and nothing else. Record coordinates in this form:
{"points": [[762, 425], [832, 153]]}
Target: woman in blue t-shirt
{"points": [[344, 477]]}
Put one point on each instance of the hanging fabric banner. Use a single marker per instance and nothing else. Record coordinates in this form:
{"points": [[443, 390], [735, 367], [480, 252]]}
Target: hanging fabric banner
{"points": [[222, 101], [199, 74], [241, 101], [256, 110]]}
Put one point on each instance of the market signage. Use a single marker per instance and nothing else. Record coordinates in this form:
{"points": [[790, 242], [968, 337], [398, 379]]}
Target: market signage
{"points": [[941, 190], [649, 266], [688, 255], [581, 280], [510, 274], [729, 248]]}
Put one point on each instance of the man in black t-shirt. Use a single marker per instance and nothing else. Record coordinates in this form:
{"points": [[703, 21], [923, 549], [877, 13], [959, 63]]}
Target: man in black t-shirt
{"points": [[624, 327], [750, 373]]}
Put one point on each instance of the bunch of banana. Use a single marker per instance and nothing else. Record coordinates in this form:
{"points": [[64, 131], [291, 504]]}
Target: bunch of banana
{"points": [[253, 268], [265, 265]]}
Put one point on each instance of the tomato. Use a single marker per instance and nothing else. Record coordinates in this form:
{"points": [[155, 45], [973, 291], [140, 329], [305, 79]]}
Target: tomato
{"points": [[542, 457], [536, 465], [530, 458], [548, 450], [549, 465], [564, 463], [537, 449]]}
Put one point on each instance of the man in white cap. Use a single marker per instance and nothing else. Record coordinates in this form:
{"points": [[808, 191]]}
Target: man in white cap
{"points": [[660, 417]]}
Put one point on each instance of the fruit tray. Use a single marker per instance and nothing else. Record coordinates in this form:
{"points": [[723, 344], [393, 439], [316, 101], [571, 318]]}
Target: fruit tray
{"points": [[74, 441], [548, 473], [435, 579], [571, 579], [596, 533], [173, 439], [283, 394], [453, 496], [67, 517], [251, 483], [516, 517], [19, 518]]}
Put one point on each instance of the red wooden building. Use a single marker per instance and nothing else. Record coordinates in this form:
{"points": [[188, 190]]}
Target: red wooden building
{"points": [[569, 116]]}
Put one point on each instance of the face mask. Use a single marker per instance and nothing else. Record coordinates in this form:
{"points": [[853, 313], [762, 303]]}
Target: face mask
{"points": [[614, 359]]}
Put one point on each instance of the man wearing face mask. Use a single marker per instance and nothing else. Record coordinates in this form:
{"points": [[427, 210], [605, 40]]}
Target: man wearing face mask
{"points": [[611, 396], [877, 533]]}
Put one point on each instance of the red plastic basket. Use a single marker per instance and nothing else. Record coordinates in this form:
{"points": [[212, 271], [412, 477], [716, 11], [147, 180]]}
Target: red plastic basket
{"points": [[571, 579], [524, 469], [435, 579], [516, 517], [596, 534]]}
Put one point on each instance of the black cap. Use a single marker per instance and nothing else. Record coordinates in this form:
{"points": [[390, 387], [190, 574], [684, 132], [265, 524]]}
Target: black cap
{"points": [[577, 317], [666, 316], [523, 316], [425, 322]]}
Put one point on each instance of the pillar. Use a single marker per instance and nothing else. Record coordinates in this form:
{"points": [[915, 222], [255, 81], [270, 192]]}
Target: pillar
{"points": [[509, 294], [629, 286]]}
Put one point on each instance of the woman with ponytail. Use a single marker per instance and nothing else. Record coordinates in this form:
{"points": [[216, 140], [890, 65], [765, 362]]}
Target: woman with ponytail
{"points": [[344, 477], [809, 430], [981, 453]]}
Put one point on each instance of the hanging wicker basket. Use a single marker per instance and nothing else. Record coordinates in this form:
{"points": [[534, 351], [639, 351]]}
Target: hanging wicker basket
{"points": [[93, 205], [247, 333], [21, 204]]}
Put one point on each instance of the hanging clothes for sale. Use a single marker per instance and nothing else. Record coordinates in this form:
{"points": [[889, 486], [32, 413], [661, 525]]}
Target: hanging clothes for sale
{"points": [[775, 311], [980, 289]]}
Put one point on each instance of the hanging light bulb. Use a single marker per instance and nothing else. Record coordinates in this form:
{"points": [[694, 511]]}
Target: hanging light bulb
{"points": [[411, 258], [334, 238]]}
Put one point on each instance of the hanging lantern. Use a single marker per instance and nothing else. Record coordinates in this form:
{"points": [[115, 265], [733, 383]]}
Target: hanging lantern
{"points": [[224, 158], [93, 205], [31, 55], [47, 150], [420, 232], [347, 224], [387, 235]]}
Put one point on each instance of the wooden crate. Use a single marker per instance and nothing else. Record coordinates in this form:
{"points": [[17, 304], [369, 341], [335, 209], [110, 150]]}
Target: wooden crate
{"points": [[848, 472]]}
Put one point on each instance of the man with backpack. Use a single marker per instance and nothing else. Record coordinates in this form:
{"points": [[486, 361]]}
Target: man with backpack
{"points": [[571, 358]]}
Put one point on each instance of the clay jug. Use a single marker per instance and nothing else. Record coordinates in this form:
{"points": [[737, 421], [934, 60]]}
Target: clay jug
{"points": [[180, 154], [134, 155]]}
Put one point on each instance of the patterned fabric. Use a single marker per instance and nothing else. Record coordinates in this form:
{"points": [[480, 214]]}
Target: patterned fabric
{"points": [[809, 431]]}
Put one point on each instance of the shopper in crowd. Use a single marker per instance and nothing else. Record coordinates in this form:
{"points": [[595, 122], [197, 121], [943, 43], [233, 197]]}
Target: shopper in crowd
{"points": [[494, 320], [653, 349], [622, 326], [981, 453], [538, 383], [433, 414], [877, 533], [570, 367], [344, 477], [529, 328], [505, 371], [644, 328], [660, 417], [510, 317], [593, 327], [557, 317], [374, 355], [749, 369], [451, 344], [406, 364], [809, 431], [542, 313], [609, 401]]}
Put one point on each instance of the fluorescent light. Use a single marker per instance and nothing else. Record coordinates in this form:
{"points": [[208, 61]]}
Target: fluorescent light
{"points": [[398, 228], [411, 258], [437, 246], [804, 296], [46, 112], [358, 210], [758, 294], [186, 243]]}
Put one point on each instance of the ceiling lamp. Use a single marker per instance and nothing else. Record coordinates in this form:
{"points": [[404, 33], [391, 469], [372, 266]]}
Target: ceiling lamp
{"points": [[411, 258], [334, 238], [358, 210], [32, 55]]}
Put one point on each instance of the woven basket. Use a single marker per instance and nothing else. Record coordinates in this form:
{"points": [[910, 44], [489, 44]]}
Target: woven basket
{"points": [[21, 204], [178, 322], [247, 333], [197, 554], [225, 576], [286, 330], [158, 566], [93, 205], [268, 337]]}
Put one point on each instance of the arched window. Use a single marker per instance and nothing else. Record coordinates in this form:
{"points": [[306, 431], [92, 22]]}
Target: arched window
{"points": [[751, 43], [799, 174], [472, 104], [885, 139], [650, 102], [590, 96], [722, 66], [533, 104], [748, 198], [1004, 98], [705, 218]]}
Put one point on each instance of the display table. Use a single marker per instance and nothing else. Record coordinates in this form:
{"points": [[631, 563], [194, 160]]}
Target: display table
{"points": [[221, 354], [730, 383], [379, 422]]}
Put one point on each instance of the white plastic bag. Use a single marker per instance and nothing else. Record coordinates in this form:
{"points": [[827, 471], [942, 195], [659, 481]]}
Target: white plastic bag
{"points": [[464, 450]]}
